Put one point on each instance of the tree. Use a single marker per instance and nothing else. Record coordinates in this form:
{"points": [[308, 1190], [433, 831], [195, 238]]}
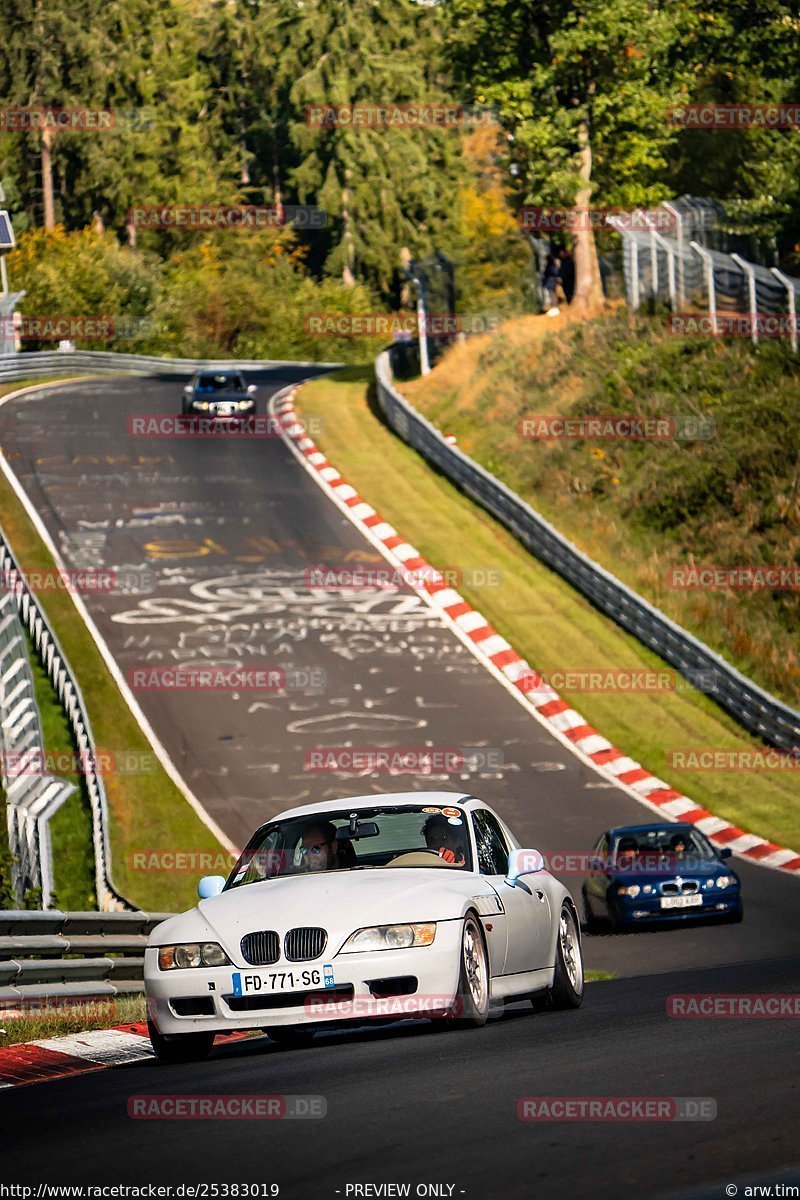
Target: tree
{"points": [[584, 87], [140, 61], [46, 61], [744, 55], [382, 188]]}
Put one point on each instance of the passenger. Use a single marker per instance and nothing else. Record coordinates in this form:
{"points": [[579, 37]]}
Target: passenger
{"points": [[445, 839]]}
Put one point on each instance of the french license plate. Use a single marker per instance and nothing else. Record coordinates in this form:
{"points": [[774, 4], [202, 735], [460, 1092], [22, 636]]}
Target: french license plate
{"points": [[260, 983], [681, 901]]}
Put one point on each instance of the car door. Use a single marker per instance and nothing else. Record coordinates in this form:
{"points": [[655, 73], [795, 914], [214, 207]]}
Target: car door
{"points": [[528, 919], [596, 884]]}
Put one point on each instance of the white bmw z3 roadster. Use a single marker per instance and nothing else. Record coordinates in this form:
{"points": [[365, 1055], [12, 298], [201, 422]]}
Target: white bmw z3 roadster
{"points": [[383, 907]]}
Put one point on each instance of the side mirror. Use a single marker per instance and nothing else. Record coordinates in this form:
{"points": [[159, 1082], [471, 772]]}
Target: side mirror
{"points": [[523, 862], [251, 388], [210, 885], [187, 391], [726, 852]]}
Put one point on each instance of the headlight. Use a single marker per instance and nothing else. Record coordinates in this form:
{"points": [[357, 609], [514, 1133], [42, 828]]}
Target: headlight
{"points": [[725, 881], [632, 889], [245, 403], [389, 937], [192, 954]]}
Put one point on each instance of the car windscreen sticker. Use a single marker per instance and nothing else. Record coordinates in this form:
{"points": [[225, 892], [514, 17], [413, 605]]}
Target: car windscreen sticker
{"points": [[431, 810], [454, 821], [237, 983], [452, 812], [327, 974]]}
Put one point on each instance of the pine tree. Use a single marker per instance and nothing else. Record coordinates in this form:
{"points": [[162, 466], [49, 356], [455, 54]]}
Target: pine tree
{"points": [[383, 189]]}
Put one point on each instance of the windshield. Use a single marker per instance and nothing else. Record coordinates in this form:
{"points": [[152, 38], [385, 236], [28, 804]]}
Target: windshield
{"points": [[220, 383], [372, 838], [666, 845]]}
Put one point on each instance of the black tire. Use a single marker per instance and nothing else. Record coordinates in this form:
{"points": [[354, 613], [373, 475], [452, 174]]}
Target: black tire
{"points": [[180, 1047], [471, 1009], [614, 924], [291, 1037], [568, 981], [591, 922]]}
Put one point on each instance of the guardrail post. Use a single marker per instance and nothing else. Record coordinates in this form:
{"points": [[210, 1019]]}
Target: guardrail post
{"points": [[792, 296], [654, 265], [657, 240], [670, 208], [635, 300], [708, 267], [747, 270]]}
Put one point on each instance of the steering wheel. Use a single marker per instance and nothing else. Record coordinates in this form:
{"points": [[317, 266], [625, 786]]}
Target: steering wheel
{"points": [[417, 858]]}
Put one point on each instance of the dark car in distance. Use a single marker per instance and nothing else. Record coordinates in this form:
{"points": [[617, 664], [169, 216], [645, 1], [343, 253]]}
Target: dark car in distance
{"points": [[222, 394], [657, 873]]}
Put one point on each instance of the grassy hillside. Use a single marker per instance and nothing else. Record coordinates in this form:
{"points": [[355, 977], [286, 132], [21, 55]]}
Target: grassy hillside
{"points": [[643, 508]]}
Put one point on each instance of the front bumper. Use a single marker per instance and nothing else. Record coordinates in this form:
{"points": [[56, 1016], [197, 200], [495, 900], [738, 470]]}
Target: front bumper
{"points": [[639, 910], [174, 997], [222, 411]]}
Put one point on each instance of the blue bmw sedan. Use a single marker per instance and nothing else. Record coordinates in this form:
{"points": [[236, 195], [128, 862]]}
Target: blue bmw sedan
{"points": [[642, 874]]}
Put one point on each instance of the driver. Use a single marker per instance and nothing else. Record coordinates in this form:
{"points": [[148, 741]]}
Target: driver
{"points": [[445, 839], [626, 853], [319, 848]]}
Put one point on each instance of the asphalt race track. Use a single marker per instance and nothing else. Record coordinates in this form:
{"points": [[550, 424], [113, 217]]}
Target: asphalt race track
{"points": [[217, 537]]}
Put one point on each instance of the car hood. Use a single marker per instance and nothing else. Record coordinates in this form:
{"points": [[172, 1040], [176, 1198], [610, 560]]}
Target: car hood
{"points": [[697, 869], [217, 397], [340, 902]]}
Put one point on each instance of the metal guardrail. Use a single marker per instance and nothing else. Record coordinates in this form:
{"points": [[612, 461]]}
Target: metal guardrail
{"points": [[760, 713], [32, 796], [60, 674], [32, 364], [671, 263], [46, 956]]}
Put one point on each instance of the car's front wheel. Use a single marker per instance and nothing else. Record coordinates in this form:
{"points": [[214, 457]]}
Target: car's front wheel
{"points": [[567, 989], [181, 1047], [472, 1002]]}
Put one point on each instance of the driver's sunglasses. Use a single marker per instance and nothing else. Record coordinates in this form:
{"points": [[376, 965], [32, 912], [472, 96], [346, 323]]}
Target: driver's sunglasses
{"points": [[316, 849]]}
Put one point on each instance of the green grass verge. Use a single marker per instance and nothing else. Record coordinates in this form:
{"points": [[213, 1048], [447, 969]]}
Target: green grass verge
{"points": [[6, 388], [57, 1022], [548, 622], [146, 810], [71, 824]]}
